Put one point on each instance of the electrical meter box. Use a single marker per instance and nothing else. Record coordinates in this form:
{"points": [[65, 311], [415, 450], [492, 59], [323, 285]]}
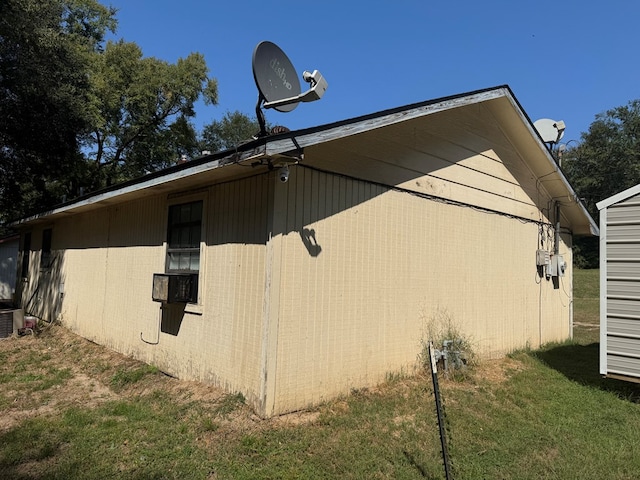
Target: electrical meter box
{"points": [[556, 266], [542, 258], [175, 287]]}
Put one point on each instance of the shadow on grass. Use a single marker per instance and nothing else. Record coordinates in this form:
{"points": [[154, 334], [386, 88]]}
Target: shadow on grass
{"points": [[581, 363]]}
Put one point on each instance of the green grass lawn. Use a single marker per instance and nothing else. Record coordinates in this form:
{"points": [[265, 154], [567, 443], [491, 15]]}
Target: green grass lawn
{"points": [[586, 305], [545, 414]]}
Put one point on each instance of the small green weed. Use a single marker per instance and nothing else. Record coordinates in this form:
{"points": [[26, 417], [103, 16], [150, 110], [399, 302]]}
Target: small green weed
{"points": [[209, 425], [396, 376], [128, 376], [229, 404], [55, 377]]}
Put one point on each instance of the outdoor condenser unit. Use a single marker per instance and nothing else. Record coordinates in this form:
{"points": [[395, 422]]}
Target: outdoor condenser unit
{"points": [[11, 322], [175, 287]]}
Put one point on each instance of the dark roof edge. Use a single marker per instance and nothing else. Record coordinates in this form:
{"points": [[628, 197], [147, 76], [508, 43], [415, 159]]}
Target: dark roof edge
{"points": [[224, 157]]}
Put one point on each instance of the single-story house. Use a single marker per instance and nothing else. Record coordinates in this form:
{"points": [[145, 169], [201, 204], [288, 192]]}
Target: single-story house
{"points": [[307, 263], [8, 267], [620, 285]]}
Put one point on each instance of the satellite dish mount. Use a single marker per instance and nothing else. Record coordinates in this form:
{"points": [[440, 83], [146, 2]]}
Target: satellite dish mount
{"points": [[278, 84]]}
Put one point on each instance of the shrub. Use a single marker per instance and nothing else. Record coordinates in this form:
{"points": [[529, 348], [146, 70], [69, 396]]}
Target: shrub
{"points": [[448, 338]]}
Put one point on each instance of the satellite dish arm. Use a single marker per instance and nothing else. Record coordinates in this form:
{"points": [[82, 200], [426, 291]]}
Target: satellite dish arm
{"points": [[318, 87], [560, 126], [260, 117]]}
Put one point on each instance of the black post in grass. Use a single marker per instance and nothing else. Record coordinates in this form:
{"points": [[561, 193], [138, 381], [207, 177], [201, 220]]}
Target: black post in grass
{"points": [[440, 413]]}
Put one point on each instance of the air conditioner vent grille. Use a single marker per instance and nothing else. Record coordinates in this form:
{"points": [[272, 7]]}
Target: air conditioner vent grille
{"points": [[175, 287]]}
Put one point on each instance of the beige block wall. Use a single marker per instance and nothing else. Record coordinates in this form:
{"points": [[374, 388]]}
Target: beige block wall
{"points": [[448, 155], [107, 260], [355, 304], [335, 298]]}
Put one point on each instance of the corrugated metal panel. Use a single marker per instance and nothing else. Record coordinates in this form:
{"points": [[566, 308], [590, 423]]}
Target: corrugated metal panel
{"points": [[628, 251], [623, 326], [621, 286], [623, 213], [624, 346], [623, 232], [625, 288], [623, 270], [618, 306], [623, 365]]}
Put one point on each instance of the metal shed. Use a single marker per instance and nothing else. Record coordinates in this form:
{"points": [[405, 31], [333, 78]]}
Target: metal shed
{"points": [[620, 285]]}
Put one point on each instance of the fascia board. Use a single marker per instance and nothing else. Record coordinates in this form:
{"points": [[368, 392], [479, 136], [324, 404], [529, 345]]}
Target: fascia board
{"points": [[618, 197]]}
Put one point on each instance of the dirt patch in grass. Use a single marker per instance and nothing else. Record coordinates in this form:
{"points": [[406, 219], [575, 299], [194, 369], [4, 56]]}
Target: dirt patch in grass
{"points": [[87, 372], [43, 380], [483, 373], [497, 371], [92, 375], [587, 326]]}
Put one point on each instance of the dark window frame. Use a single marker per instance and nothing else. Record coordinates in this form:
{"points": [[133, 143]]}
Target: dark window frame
{"points": [[184, 236], [26, 254], [46, 258]]}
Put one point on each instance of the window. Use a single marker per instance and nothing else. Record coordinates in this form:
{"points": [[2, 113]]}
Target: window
{"points": [[26, 253], [183, 238], [46, 258]]}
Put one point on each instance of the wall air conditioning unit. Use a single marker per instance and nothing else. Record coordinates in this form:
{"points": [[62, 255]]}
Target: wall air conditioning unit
{"points": [[175, 287]]}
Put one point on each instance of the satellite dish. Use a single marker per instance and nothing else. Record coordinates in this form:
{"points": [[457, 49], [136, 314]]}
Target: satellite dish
{"points": [[275, 76], [278, 84], [551, 131]]}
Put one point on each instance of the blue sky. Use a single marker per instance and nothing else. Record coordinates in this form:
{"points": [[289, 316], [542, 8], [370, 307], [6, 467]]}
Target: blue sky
{"points": [[564, 60]]}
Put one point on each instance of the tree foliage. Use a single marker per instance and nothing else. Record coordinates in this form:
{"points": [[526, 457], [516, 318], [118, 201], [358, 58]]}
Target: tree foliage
{"points": [[76, 113], [234, 129], [44, 89], [142, 108], [607, 161]]}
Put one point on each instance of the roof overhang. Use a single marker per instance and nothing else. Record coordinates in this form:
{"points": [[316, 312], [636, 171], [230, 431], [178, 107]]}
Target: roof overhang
{"points": [[520, 129], [267, 151]]}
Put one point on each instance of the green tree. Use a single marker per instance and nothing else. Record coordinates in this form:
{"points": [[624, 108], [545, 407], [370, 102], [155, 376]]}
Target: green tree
{"points": [[45, 49], [142, 109], [78, 114], [606, 162], [234, 129]]}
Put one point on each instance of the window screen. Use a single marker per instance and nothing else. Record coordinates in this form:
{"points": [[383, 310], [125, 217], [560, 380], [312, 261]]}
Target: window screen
{"points": [[183, 237]]}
